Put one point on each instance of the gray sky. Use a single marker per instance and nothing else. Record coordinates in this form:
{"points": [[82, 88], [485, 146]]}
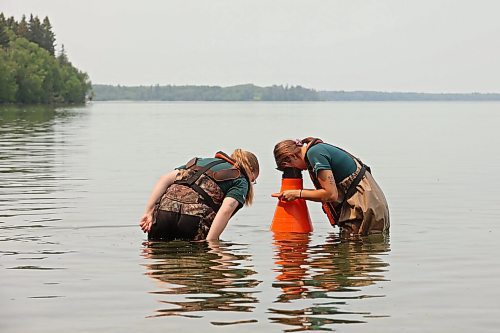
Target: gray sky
{"points": [[385, 45]]}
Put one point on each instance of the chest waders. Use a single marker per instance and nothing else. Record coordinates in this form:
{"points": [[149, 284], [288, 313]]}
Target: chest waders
{"points": [[331, 209], [195, 192]]}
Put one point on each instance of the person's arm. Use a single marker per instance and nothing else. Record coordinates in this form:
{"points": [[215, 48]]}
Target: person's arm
{"points": [[161, 186], [222, 218], [327, 192]]}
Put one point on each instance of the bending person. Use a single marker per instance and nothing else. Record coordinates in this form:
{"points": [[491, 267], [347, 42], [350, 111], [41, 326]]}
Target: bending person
{"points": [[351, 198], [195, 201]]}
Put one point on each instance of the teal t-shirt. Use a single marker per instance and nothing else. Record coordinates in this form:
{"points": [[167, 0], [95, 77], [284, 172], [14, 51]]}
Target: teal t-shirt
{"points": [[323, 156], [234, 188]]}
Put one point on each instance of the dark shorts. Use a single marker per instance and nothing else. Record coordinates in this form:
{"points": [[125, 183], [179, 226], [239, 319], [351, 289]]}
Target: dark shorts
{"points": [[170, 225]]}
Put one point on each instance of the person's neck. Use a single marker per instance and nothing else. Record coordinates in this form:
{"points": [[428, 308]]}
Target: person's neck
{"points": [[303, 151]]}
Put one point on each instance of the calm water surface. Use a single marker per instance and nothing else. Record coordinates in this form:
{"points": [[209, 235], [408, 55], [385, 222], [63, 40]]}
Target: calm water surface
{"points": [[74, 182]]}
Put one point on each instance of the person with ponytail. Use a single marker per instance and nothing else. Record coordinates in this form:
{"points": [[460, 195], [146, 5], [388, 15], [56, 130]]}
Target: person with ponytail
{"points": [[196, 200], [343, 184]]}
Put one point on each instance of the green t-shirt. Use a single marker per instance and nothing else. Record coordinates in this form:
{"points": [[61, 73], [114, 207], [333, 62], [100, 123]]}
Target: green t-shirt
{"points": [[234, 188], [323, 156]]}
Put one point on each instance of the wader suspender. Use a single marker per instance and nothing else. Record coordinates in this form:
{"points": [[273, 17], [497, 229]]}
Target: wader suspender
{"points": [[333, 211], [190, 182], [229, 160]]}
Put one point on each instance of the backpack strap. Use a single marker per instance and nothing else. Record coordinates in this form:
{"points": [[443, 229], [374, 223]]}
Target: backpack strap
{"points": [[191, 162], [228, 159], [191, 182]]}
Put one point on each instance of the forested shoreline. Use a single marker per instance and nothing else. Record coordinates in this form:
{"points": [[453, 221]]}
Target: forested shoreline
{"points": [[250, 92], [246, 92], [30, 70]]}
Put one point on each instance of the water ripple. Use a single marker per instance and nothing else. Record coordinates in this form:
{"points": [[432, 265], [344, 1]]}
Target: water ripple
{"points": [[329, 271], [202, 277]]}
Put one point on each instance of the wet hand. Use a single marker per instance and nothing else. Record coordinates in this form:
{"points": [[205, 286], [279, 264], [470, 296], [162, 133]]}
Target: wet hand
{"points": [[146, 222]]}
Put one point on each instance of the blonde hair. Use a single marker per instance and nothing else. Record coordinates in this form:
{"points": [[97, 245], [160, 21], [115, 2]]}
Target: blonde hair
{"points": [[249, 163]]}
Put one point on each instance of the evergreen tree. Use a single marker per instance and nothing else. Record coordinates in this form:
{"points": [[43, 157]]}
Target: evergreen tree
{"points": [[48, 37], [4, 37], [11, 23], [62, 58], [29, 71], [22, 28], [35, 32], [30, 29]]}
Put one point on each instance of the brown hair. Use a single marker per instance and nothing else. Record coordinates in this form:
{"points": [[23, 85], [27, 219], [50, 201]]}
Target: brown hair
{"points": [[249, 163], [284, 150]]}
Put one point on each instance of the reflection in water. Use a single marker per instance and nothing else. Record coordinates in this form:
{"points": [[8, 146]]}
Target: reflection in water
{"points": [[31, 170], [198, 277], [35, 181], [334, 272]]}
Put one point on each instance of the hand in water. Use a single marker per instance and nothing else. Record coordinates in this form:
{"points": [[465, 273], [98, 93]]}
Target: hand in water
{"points": [[146, 222]]}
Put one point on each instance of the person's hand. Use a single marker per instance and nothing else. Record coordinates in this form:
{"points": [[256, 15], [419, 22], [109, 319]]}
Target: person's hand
{"points": [[146, 222], [288, 195]]}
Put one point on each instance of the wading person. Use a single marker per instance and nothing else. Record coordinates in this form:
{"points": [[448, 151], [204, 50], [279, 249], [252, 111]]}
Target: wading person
{"points": [[195, 201], [350, 196]]}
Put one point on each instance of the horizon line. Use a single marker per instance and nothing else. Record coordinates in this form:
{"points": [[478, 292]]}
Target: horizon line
{"points": [[296, 86]]}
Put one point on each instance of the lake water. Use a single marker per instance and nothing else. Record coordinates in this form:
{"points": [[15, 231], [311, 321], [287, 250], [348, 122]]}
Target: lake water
{"points": [[74, 183]]}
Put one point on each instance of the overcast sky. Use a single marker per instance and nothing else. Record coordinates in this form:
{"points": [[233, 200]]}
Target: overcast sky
{"points": [[384, 45]]}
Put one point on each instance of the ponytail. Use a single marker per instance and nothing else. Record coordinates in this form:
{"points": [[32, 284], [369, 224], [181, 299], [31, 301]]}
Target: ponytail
{"points": [[307, 140], [250, 165]]}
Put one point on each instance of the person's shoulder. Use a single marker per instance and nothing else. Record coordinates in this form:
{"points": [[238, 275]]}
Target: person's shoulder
{"points": [[241, 180], [317, 149], [241, 183], [238, 189]]}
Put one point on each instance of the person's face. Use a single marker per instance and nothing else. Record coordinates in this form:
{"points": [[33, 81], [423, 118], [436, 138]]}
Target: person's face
{"points": [[253, 177]]}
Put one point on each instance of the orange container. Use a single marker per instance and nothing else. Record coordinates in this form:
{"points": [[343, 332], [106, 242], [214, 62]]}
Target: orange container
{"points": [[291, 216]]}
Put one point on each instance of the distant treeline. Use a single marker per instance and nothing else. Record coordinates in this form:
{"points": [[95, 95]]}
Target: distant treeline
{"points": [[250, 92], [403, 96], [247, 92], [30, 71]]}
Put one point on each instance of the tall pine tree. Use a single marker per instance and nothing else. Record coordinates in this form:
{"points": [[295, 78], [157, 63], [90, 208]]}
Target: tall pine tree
{"points": [[35, 33], [22, 29], [4, 38], [48, 37]]}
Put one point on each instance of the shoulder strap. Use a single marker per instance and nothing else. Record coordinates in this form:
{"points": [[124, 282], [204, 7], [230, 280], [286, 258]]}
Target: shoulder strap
{"points": [[314, 179], [328, 207], [191, 180], [191, 162], [225, 157]]}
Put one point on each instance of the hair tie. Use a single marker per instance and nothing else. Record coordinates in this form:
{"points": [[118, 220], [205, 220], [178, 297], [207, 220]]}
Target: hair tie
{"points": [[299, 142]]}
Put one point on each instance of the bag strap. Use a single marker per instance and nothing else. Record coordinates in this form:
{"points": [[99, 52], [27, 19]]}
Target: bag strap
{"points": [[352, 187], [191, 182]]}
